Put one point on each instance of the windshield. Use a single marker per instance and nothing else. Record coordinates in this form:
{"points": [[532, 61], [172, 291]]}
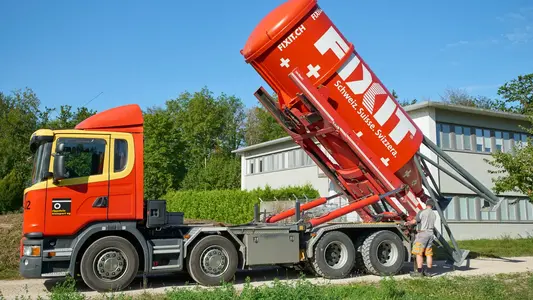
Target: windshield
{"points": [[41, 163]]}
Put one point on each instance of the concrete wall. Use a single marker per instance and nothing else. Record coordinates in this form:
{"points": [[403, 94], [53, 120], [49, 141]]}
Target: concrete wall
{"points": [[474, 163], [297, 176], [482, 230]]}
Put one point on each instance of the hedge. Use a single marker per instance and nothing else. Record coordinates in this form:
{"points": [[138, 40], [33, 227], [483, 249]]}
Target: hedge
{"points": [[230, 206]]}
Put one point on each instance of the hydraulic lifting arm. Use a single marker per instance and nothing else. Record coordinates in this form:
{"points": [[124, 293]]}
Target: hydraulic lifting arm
{"points": [[332, 104]]}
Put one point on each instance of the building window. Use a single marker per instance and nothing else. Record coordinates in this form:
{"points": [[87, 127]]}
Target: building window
{"points": [[468, 208], [289, 159], [460, 137]]}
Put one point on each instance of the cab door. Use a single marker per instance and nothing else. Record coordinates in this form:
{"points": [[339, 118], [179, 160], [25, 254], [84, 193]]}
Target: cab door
{"points": [[82, 196]]}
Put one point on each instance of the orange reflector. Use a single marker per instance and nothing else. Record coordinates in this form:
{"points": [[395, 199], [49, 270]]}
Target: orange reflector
{"points": [[36, 251], [187, 236]]}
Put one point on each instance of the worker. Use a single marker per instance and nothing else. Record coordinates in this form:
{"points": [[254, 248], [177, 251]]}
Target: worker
{"points": [[423, 245]]}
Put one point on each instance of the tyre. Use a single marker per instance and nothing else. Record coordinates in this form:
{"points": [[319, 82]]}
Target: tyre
{"points": [[360, 268], [334, 255], [109, 264], [212, 260], [383, 253]]}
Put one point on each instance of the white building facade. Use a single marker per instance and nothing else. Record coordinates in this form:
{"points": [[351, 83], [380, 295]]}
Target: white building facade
{"points": [[468, 135]]}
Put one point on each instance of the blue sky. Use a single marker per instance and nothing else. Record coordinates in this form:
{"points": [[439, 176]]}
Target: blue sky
{"points": [[146, 52]]}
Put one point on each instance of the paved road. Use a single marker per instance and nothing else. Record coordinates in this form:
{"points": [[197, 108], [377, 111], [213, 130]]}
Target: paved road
{"points": [[479, 266]]}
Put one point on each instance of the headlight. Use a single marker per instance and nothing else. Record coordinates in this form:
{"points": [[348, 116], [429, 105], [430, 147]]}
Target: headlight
{"points": [[32, 250]]}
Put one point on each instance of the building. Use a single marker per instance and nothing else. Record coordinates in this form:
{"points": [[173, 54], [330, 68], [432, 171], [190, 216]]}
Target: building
{"points": [[468, 135]]}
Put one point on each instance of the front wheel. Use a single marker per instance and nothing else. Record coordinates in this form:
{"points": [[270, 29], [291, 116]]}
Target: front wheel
{"points": [[109, 264], [212, 260]]}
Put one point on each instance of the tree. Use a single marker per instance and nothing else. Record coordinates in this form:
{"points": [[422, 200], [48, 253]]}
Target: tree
{"points": [[20, 116], [514, 168], [164, 153], [403, 102], [67, 119], [207, 123], [517, 94], [221, 171], [191, 138], [261, 126], [461, 97]]}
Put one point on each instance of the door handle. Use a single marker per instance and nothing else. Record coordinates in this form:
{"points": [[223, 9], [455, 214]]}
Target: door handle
{"points": [[100, 202]]}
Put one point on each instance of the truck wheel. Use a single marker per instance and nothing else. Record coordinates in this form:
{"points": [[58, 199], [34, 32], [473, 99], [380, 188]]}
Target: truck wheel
{"points": [[360, 267], [212, 260], [334, 255], [383, 253], [109, 264]]}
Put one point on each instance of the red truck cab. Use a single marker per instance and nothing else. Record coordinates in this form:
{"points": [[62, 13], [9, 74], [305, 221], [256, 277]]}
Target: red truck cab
{"points": [[84, 176]]}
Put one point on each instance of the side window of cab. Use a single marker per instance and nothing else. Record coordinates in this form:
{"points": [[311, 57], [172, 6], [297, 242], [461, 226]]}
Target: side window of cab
{"points": [[121, 155], [84, 157]]}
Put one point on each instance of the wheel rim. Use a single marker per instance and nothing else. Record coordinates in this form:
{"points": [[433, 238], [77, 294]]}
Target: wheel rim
{"points": [[214, 261], [336, 255], [110, 264], [387, 253]]}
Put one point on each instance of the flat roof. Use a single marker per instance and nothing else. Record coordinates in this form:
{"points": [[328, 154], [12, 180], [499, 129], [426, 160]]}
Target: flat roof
{"points": [[409, 108], [466, 109]]}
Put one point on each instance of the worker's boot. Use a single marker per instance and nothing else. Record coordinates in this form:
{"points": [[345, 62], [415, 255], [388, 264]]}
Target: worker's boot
{"points": [[428, 273], [417, 274]]}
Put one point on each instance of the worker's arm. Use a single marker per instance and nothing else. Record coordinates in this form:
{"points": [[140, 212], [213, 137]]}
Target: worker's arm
{"points": [[415, 220]]}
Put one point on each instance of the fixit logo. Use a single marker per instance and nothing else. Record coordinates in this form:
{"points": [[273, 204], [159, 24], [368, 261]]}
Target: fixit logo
{"points": [[331, 40]]}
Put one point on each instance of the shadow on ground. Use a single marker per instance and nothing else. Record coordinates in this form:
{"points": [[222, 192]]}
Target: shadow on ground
{"points": [[259, 275]]}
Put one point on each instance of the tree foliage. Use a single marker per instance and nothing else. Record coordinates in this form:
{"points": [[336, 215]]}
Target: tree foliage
{"points": [[514, 169], [462, 98], [189, 142], [261, 126], [20, 116], [517, 94]]}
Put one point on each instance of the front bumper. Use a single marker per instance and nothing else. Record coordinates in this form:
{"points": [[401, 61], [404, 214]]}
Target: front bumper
{"points": [[31, 266]]}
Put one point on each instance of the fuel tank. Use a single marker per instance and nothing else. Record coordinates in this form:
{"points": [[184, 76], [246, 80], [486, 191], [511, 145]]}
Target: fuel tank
{"points": [[299, 34]]}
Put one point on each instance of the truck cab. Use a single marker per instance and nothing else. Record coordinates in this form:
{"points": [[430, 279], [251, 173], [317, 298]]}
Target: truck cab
{"points": [[89, 175]]}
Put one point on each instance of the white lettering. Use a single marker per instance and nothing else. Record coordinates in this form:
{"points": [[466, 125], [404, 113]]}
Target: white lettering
{"points": [[331, 40], [404, 125], [341, 88], [291, 38], [358, 86], [386, 142], [385, 111], [316, 14]]}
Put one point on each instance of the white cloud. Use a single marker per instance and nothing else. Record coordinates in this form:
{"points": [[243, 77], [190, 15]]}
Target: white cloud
{"points": [[520, 35], [519, 30], [482, 42], [512, 17]]}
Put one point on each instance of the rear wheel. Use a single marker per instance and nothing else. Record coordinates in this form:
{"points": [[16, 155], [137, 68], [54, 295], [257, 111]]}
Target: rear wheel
{"points": [[360, 267], [212, 260], [334, 255], [109, 264], [383, 253]]}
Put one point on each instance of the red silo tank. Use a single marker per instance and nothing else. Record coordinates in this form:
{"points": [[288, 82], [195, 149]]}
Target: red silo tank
{"points": [[298, 33]]}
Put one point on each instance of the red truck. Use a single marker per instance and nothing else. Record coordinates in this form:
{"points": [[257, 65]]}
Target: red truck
{"points": [[85, 215]]}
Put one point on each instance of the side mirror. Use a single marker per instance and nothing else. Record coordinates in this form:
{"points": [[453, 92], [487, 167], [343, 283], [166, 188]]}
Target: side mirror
{"points": [[60, 148], [59, 163], [59, 167]]}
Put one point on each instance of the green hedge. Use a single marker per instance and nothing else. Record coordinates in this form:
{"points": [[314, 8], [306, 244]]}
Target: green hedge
{"points": [[230, 206]]}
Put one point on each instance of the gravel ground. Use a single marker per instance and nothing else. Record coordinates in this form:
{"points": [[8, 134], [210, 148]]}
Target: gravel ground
{"points": [[479, 266]]}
